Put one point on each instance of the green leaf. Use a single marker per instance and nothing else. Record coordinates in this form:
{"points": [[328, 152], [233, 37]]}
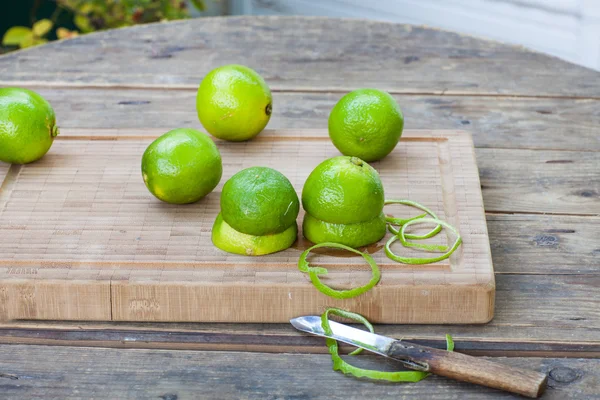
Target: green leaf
{"points": [[15, 35], [42, 27], [27, 41], [86, 8], [199, 4], [83, 23]]}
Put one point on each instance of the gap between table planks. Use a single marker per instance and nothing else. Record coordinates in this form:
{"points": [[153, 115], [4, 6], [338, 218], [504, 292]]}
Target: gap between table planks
{"points": [[89, 253]]}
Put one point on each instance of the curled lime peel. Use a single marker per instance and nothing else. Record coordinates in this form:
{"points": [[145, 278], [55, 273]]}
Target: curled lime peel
{"points": [[314, 272], [449, 343], [419, 261], [344, 314], [340, 365], [401, 222]]}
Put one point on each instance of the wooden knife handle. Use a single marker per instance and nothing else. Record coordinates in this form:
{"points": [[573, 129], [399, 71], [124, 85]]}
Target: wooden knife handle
{"points": [[469, 369]]}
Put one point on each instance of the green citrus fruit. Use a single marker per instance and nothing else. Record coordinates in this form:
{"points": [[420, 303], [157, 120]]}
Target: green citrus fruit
{"points": [[228, 239], [27, 126], [234, 103], [353, 235], [343, 190], [366, 123], [259, 201], [182, 166]]}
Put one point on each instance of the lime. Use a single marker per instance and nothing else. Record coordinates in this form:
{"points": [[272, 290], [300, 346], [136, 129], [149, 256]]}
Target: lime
{"points": [[182, 166], [353, 235], [27, 126], [366, 123], [259, 201], [234, 103], [343, 190], [228, 239]]}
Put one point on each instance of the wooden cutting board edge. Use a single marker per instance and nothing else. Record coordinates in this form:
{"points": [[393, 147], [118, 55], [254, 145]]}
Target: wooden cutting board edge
{"points": [[25, 296]]}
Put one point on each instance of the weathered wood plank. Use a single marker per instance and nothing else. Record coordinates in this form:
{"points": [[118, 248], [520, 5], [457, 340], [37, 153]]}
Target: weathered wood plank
{"points": [[535, 314], [544, 244], [301, 53], [540, 181], [31, 372], [542, 123]]}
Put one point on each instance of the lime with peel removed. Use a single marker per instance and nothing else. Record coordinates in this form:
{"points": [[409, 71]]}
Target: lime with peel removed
{"points": [[182, 166], [27, 126], [259, 201], [352, 235], [366, 123], [234, 103], [228, 239], [343, 190]]}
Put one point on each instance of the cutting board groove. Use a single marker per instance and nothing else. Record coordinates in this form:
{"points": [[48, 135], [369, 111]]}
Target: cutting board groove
{"points": [[85, 240]]}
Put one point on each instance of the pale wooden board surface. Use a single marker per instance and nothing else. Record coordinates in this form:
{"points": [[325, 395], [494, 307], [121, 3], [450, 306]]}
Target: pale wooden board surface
{"points": [[82, 216], [299, 53], [84, 373]]}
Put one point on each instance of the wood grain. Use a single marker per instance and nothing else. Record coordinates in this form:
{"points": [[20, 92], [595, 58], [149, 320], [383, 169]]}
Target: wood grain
{"points": [[535, 315], [564, 182], [82, 216], [506, 122], [30, 372], [559, 182], [508, 97], [301, 53], [464, 368], [544, 244]]}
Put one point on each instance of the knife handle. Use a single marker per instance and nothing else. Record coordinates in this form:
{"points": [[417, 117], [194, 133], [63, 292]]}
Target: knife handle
{"points": [[469, 369]]}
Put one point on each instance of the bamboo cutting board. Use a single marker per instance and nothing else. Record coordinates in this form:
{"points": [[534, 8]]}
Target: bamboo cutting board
{"points": [[82, 238]]}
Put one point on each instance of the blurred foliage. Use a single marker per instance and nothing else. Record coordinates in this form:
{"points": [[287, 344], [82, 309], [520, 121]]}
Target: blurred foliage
{"points": [[94, 15]]}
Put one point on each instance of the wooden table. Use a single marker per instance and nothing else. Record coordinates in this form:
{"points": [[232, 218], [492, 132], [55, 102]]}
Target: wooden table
{"points": [[535, 122]]}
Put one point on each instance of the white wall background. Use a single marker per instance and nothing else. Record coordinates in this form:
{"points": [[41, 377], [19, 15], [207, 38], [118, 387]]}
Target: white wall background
{"points": [[569, 29]]}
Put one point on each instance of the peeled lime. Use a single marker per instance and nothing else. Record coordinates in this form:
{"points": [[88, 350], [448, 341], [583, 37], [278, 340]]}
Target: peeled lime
{"points": [[228, 239], [259, 201], [343, 190]]}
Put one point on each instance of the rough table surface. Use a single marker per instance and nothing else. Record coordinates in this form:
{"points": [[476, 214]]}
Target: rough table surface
{"points": [[535, 123]]}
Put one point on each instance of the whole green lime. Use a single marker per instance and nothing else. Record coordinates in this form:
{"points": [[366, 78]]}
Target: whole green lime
{"points": [[343, 190], [366, 123], [228, 239], [259, 201], [182, 166], [353, 235], [27, 126], [234, 103]]}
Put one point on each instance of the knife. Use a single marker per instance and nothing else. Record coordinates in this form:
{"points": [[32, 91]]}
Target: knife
{"points": [[428, 359]]}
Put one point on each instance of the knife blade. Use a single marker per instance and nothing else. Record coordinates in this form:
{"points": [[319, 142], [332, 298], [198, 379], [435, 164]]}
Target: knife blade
{"points": [[440, 362]]}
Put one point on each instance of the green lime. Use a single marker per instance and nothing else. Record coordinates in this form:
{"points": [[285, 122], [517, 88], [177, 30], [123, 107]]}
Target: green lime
{"points": [[343, 190], [353, 235], [234, 103], [366, 123], [259, 201], [182, 166], [228, 239], [27, 126]]}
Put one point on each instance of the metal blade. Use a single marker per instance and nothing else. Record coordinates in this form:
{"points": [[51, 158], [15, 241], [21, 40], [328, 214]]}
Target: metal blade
{"points": [[347, 334]]}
